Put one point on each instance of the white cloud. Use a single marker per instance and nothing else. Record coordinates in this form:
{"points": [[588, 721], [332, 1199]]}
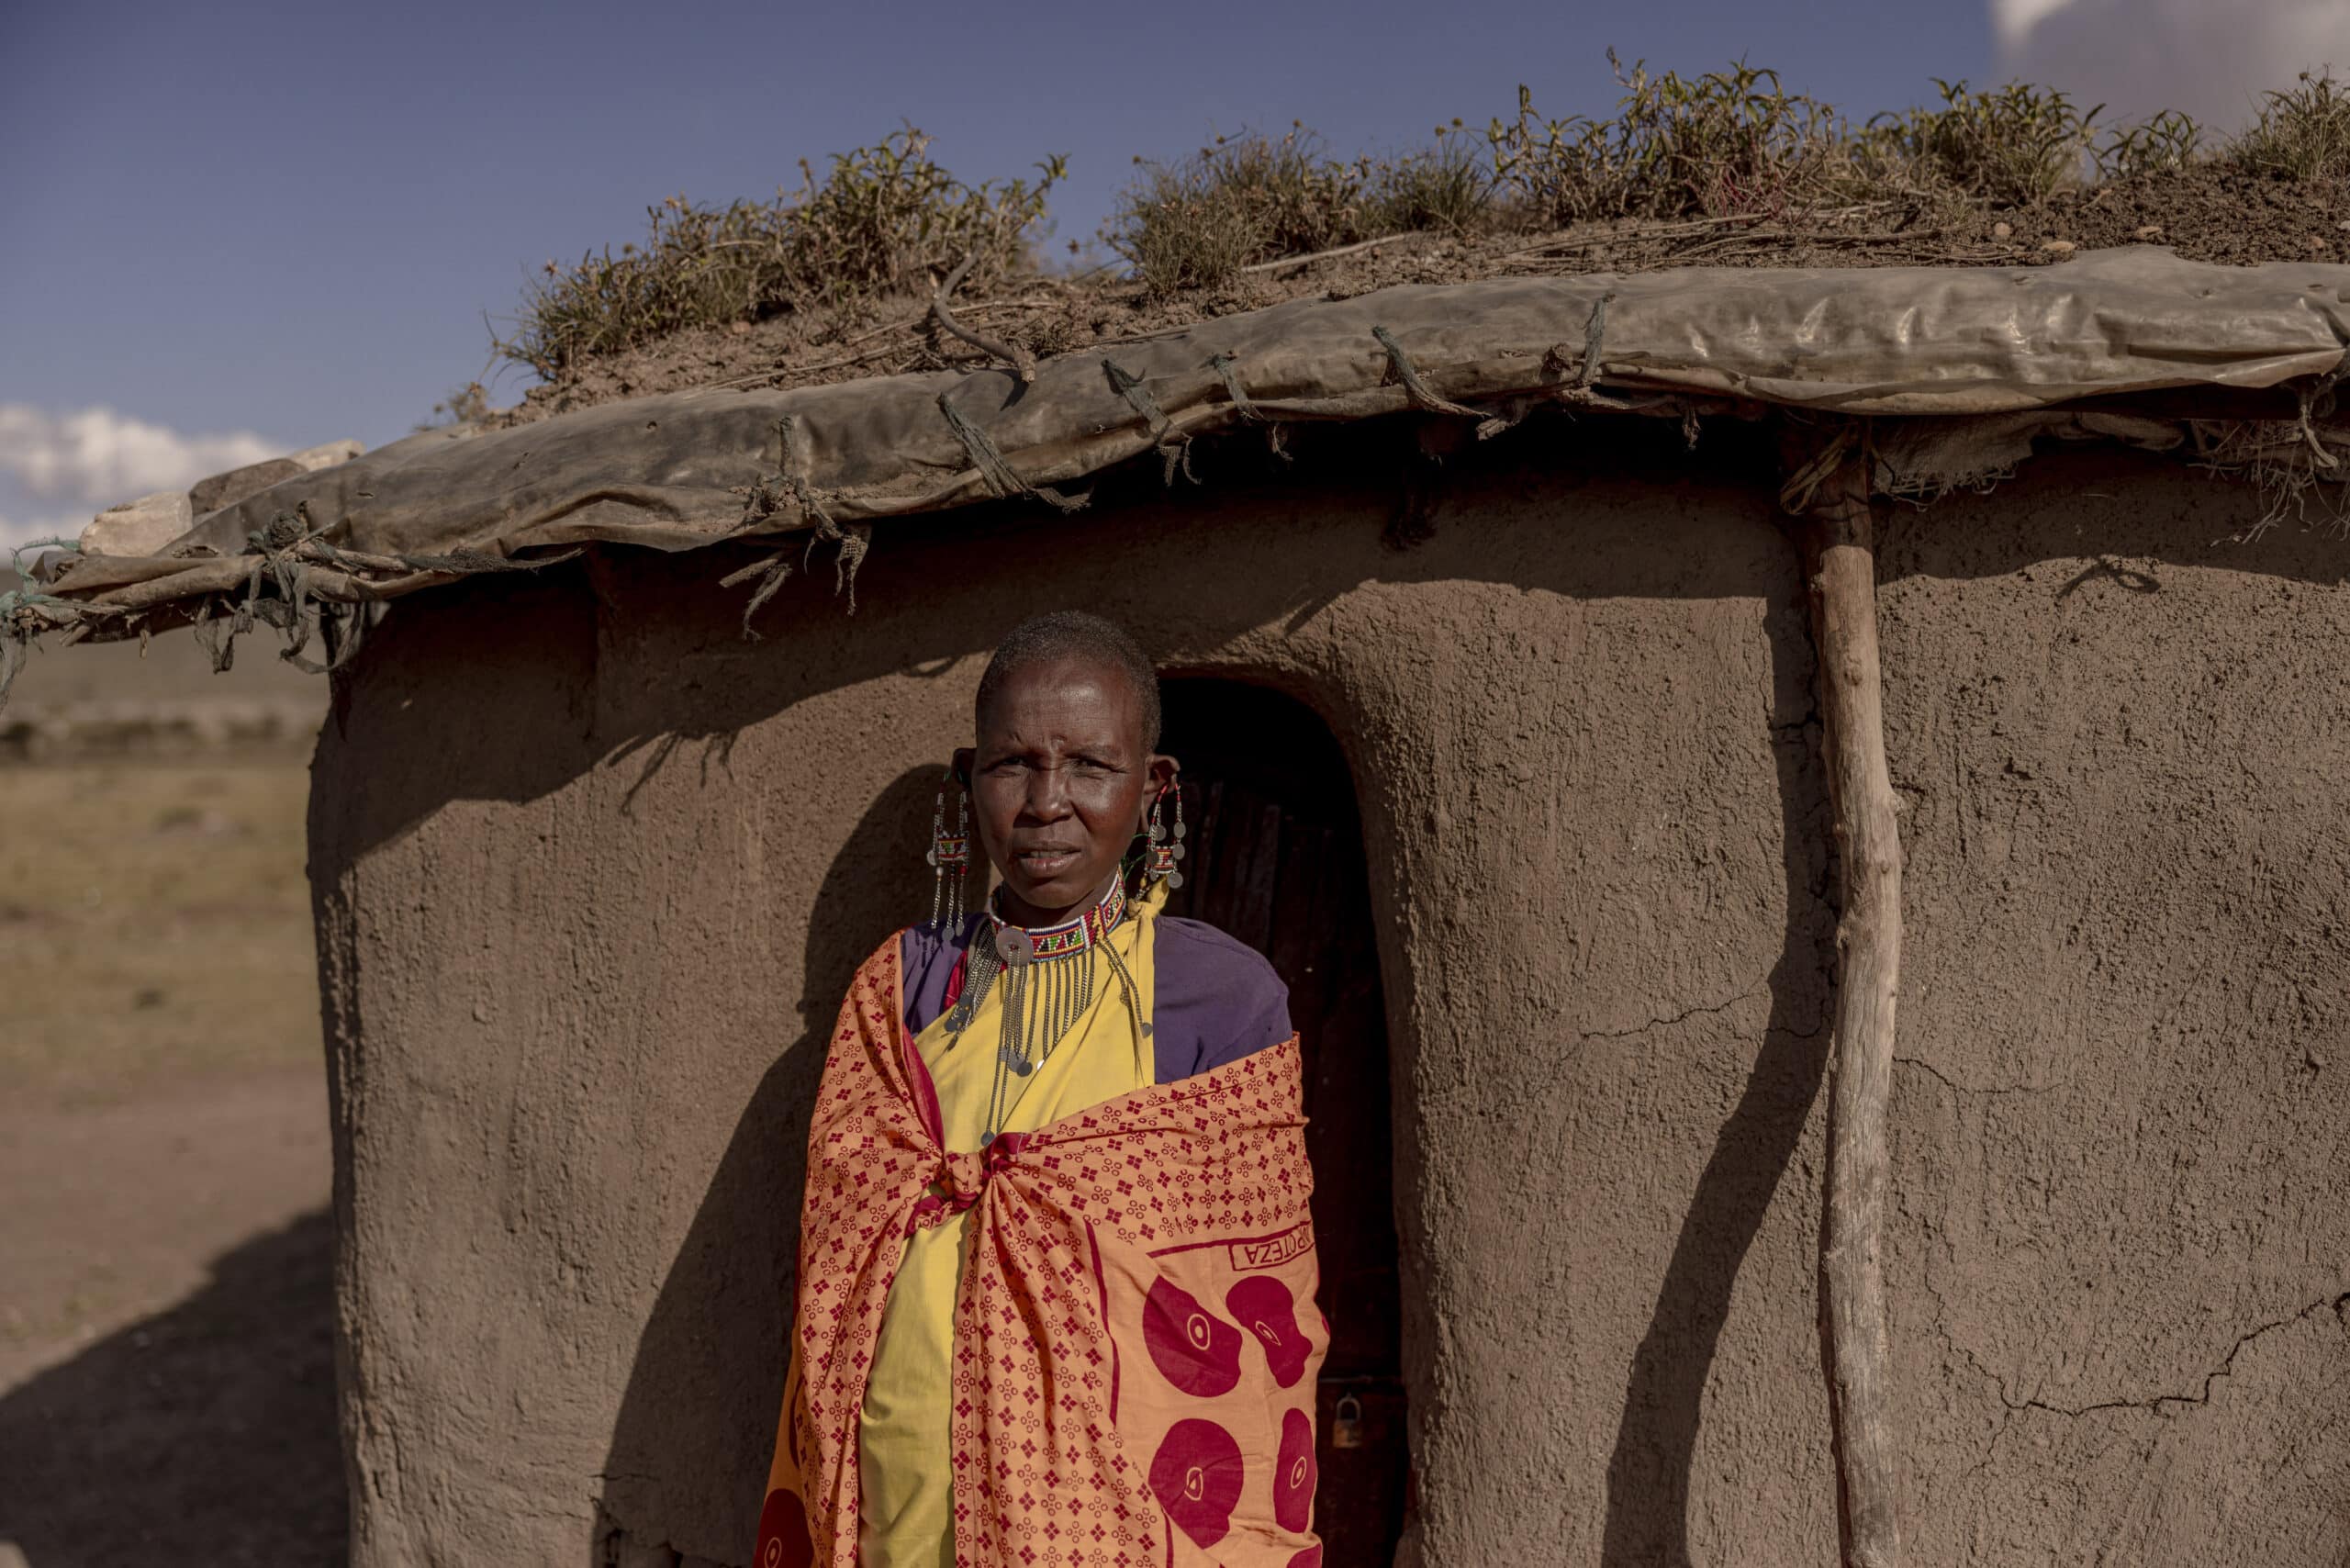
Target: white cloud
{"points": [[2012, 20], [100, 457], [2210, 57]]}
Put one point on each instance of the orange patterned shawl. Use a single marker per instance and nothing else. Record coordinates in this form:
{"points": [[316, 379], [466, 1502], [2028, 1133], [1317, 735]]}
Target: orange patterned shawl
{"points": [[1135, 1336]]}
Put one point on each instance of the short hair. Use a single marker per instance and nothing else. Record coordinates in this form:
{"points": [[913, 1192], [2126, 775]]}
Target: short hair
{"points": [[1073, 633]]}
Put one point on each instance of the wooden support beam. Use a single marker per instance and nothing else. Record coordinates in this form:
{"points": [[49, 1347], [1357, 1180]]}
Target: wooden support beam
{"points": [[1839, 568]]}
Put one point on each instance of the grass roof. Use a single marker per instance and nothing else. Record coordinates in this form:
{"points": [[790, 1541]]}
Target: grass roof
{"points": [[835, 280]]}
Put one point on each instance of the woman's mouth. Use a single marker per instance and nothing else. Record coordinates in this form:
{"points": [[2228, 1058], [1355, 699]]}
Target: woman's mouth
{"points": [[1042, 863]]}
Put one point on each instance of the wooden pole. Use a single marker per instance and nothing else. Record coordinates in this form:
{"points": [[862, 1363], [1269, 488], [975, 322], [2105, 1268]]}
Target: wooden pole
{"points": [[1839, 567]]}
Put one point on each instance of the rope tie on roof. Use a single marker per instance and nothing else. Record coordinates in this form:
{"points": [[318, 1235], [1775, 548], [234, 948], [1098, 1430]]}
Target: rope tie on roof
{"points": [[338, 635], [1174, 448], [851, 540], [1129, 385], [296, 579], [2317, 402], [994, 472], [1424, 397], [219, 646], [2322, 395], [1421, 395], [15, 640], [1580, 389], [762, 496], [760, 503], [1595, 333], [277, 551], [1224, 365], [788, 471]]}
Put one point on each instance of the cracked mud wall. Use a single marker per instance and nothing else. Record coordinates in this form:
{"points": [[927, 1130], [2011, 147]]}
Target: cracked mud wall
{"points": [[592, 873], [2121, 1115]]}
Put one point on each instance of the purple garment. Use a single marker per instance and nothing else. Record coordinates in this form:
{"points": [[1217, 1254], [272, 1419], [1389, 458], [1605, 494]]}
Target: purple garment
{"points": [[1217, 999]]}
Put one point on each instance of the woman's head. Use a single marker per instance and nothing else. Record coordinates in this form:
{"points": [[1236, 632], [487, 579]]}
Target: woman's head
{"points": [[1064, 769]]}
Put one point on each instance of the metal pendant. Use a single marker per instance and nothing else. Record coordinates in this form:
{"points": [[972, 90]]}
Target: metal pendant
{"points": [[1019, 1065], [1013, 948], [1345, 1423]]}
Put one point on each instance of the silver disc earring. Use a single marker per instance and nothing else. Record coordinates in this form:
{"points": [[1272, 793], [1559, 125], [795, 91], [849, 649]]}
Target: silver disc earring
{"points": [[1165, 851], [950, 855]]}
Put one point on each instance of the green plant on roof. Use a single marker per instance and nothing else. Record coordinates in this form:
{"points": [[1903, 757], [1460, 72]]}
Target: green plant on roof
{"points": [[1728, 142], [1443, 189], [2011, 147], [2165, 144], [2303, 132], [882, 221], [1250, 197]]}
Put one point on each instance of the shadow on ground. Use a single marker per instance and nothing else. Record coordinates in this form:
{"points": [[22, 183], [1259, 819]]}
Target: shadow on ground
{"points": [[203, 1434]]}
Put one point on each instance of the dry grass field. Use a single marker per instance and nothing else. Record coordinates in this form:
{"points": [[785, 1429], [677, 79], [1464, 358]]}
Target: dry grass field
{"points": [[166, 1372], [157, 926]]}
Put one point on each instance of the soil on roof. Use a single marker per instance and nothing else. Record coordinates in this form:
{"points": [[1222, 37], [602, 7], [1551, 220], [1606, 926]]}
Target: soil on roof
{"points": [[2207, 214]]}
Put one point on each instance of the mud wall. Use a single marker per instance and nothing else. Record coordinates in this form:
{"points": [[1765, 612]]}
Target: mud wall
{"points": [[592, 871]]}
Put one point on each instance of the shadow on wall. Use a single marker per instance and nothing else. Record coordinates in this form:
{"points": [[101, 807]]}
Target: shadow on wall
{"points": [[1656, 1437], [459, 638], [203, 1434], [712, 1355]]}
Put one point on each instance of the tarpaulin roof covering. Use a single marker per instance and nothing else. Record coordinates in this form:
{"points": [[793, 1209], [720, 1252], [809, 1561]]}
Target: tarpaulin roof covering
{"points": [[1944, 347]]}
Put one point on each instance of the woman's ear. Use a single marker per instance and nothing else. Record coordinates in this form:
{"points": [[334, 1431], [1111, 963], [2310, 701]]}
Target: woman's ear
{"points": [[962, 766], [1161, 773]]}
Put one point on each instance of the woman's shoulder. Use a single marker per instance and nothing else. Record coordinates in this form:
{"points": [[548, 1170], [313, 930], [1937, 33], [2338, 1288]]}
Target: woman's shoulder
{"points": [[931, 957], [1195, 945], [1217, 999], [924, 942]]}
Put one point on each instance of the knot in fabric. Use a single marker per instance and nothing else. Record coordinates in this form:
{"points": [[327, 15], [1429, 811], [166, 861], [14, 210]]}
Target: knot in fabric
{"points": [[961, 1178]]}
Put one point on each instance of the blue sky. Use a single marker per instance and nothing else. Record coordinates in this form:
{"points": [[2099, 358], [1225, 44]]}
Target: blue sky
{"points": [[272, 225]]}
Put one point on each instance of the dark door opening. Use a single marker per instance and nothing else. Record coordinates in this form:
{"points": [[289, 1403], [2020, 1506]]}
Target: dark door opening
{"points": [[1276, 859]]}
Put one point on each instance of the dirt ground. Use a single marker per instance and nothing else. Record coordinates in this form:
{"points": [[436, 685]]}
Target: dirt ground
{"points": [[166, 1359], [2204, 214]]}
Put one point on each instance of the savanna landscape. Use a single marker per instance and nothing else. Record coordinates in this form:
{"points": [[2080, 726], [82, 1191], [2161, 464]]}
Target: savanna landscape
{"points": [[166, 1364]]}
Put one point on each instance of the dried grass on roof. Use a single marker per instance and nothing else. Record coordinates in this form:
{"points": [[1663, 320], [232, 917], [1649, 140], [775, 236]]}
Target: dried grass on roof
{"points": [[1726, 169]]}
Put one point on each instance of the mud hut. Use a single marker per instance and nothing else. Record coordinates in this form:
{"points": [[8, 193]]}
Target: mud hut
{"points": [[1493, 617]]}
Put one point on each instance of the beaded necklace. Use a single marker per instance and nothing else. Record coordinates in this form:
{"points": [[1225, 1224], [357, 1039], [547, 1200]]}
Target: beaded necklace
{"points": [[1048, 974]]}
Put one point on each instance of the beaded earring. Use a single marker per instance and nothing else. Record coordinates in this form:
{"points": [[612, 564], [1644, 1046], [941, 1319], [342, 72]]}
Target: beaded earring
{"points": [[950, 853], [1165, 851]]}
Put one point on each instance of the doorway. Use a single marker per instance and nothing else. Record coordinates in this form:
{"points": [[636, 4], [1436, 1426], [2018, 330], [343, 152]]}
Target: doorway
{"points": [[1276, 859]]}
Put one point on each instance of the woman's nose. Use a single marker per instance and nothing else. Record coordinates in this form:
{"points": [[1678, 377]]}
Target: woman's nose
{"points": [[1048, 795]]}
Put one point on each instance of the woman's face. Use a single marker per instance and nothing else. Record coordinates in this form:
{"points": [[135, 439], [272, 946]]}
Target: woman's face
{"points": [[1060, 784]]}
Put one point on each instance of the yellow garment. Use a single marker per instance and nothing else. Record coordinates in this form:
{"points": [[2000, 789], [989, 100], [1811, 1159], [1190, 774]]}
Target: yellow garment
{"points": [[904, 1442]]}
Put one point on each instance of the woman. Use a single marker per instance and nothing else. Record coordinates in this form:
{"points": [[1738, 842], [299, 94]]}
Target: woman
{"points": [[1055, 1295]]}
